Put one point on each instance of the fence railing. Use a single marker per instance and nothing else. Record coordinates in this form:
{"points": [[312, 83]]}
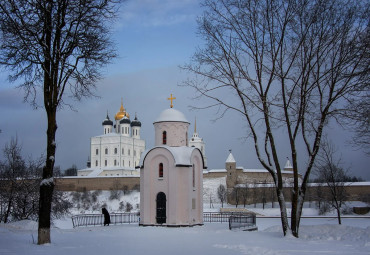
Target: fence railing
{"points": [[221, 216], [208, 217], [123, 218], [98, 219], [244, 222]]}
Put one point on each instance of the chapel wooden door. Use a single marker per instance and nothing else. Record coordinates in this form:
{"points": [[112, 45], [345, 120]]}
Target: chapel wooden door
{"points": [[161, 208]]}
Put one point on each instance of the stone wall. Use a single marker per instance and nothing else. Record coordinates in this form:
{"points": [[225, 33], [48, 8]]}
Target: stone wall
{"points": [[259, 194], [97, 183]]}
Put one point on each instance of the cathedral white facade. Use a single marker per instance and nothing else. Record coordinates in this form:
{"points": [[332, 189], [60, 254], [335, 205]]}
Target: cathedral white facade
{"points": [[117, 151]]}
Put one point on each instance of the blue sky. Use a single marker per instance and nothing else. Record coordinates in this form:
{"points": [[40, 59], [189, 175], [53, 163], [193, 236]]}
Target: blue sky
{"points": [[153, 39]]}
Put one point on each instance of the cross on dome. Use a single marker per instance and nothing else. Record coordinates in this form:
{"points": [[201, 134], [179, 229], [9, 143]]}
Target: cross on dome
{"points": [[122, 112], [171, 98]]}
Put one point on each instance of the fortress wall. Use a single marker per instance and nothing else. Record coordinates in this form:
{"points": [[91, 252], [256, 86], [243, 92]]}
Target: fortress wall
{"points": [[96, 183], [356, 191]]}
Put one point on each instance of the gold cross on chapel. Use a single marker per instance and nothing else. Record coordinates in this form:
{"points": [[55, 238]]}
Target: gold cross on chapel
{"points": [[171, 98]]}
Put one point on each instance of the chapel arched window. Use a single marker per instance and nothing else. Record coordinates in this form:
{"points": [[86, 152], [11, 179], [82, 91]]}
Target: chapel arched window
{"points": [[164, 137], [160, 170]]}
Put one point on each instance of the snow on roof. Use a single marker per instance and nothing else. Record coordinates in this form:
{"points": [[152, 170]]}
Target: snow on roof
{"points": [[95, 172], [108, 134], [171, 114], [288, 165], [230, 159], [254, 170], [182, 154], [215, 171]]}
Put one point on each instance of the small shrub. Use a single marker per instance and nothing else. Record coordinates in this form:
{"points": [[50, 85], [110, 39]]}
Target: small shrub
{"points": [[347, 210], [121, 206], [128, 207], [114, 194], [324, 208]]}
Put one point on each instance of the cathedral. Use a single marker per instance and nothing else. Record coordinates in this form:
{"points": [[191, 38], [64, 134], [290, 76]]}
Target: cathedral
{"points": [[117, 151]]}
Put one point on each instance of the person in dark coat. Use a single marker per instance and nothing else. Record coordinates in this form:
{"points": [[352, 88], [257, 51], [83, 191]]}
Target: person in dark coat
{"points": [[106, 216]]}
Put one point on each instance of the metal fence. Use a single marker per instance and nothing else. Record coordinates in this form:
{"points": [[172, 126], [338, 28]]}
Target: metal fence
{"points": [[208, 217], [98, 219], [123, 218], [244, 222], [221, 216]]}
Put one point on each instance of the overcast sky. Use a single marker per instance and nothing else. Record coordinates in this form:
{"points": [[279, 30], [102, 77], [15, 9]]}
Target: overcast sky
{"points": [[154, 38]]}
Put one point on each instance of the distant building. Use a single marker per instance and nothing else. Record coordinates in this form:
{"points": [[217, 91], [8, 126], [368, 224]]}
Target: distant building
{"points": [[233, 176], [171, 175], [117, 151]]}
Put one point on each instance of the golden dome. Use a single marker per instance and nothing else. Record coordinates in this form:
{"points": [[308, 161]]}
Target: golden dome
{"points": [[122, 113]]}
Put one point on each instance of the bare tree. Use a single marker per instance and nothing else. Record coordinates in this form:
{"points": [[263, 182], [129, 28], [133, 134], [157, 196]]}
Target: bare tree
{"points": [[222, 194], [55, 47], [19, 192], [286, 67], [235, 193], [72, 171], [11, 170], [255, 193], [329, 171], [244, 193], [263, 193], [319, 194]]}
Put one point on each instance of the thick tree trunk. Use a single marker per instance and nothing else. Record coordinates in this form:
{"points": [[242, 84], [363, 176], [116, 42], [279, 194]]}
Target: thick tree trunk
{"points": [[339, 217], [50, 103], [47, 184], [8, 211], [283, 211]]}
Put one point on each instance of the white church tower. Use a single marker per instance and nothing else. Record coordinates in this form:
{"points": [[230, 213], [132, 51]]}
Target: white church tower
{"points": [[171, 175], [198, 142]]}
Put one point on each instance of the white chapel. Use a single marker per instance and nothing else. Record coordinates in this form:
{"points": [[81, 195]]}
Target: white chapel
{"points": [[171, 175], [117, 151]]}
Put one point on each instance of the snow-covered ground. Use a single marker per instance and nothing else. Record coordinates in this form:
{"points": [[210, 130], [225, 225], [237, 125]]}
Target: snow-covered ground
{"points": [[317, 236]]}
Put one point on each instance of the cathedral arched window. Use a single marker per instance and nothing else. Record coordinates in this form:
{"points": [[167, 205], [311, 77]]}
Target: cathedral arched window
{"points": [[106, 162], [106, 151], [96, 163], [115, 162], [160, 170], [164, 137], [193, 176], [128, 152], [115, 150], [96, 151]]}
